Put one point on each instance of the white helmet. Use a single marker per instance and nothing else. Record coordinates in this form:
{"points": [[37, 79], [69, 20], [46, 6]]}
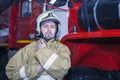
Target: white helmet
{"points": [[48, 15]]}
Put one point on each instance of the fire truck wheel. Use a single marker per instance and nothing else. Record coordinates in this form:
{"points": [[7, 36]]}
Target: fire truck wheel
{"points": [[84, 73]]}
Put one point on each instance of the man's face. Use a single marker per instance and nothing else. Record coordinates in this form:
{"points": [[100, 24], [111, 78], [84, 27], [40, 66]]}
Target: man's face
{"points": [[48, 28]]}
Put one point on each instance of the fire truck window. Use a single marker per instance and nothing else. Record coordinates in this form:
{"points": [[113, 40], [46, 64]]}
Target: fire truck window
{"points": [[26, 8], [56, 3], [78, 0]]}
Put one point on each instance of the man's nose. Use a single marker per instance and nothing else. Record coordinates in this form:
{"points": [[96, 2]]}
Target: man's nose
{"points": [[48, 29]]}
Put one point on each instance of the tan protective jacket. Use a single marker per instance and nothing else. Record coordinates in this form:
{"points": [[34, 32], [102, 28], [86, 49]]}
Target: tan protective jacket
{"points": [[55, 59]]}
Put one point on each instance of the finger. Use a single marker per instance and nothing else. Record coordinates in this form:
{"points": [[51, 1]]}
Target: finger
{"points": [[43, 41], [40, 41]]}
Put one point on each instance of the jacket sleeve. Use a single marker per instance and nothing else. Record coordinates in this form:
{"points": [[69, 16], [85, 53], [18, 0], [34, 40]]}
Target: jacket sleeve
{"points": [[18, 69], [55, 62]]}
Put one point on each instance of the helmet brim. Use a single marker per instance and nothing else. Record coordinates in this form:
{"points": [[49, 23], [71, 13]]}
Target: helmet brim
{"points": [[53, 20]]}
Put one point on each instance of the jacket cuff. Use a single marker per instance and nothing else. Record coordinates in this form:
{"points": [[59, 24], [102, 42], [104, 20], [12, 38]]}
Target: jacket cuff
{"points": [[50, 61]]}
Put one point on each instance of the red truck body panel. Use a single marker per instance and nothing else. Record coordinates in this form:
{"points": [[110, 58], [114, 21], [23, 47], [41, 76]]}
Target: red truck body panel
{"points": [[96, 49]]}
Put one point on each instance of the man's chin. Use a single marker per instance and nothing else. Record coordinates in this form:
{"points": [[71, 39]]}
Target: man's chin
{"points": [[47, 39]]}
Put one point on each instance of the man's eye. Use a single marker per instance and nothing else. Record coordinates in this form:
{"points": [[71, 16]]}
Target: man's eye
{"points": [[52, 27], [45, 26]]}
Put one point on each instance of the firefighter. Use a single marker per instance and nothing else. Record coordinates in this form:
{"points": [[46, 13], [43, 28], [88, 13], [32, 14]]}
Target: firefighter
{"points": [[44, 59]]}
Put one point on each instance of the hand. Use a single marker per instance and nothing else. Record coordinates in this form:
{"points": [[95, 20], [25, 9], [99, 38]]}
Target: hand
{"points": [[40, 44]]}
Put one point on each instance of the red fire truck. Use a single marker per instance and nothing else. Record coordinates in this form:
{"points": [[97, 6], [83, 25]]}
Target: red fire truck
{"points": [[92, 30]]}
